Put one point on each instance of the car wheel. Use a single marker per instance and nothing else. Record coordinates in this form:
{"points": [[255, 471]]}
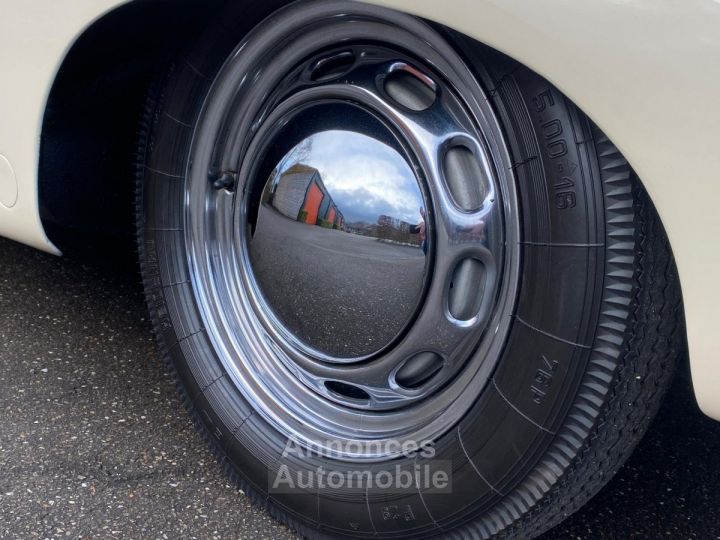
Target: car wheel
{"points": [[406, 286]]}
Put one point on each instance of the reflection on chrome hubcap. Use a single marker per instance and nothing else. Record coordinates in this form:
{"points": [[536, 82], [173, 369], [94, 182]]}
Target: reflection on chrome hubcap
{"points": [[339, 245], [359, 276]]}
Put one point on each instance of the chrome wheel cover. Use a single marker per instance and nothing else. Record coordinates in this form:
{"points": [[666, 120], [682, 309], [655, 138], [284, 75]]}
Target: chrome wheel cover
{"points": [[310, 74]]}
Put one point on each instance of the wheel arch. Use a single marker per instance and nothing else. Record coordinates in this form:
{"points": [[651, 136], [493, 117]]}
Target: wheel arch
{"points": [[92, 114]]}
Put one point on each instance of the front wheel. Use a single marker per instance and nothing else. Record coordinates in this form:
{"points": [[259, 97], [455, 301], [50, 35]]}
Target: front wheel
{"points": [[406, 286]]}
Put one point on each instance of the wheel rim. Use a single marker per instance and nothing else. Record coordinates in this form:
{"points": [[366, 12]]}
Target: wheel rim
{"points": [[274, 109]]}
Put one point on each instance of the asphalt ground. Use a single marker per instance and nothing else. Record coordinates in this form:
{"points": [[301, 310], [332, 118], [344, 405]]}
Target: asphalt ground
{"points": [[95, 444], [346, 294]]}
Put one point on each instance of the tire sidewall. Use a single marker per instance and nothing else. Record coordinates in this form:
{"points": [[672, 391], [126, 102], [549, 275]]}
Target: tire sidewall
{"points": [[539, 375]]}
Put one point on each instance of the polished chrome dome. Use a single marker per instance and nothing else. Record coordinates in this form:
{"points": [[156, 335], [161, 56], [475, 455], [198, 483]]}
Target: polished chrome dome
{"points": [[339, 246]]}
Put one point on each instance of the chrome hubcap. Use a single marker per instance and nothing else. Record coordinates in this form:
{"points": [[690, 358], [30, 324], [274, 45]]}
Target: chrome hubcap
{"points": [[338, 247], [358, 273]]}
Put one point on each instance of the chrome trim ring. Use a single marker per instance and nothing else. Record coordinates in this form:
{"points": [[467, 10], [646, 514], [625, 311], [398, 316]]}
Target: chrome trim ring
{"points": [[420, 382]]}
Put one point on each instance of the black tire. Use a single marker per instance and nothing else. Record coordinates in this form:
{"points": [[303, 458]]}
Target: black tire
{"points": [[597, 328]]}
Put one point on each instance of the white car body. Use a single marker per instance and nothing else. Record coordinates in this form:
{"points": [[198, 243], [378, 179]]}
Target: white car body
{"points": [[646, 71]]}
